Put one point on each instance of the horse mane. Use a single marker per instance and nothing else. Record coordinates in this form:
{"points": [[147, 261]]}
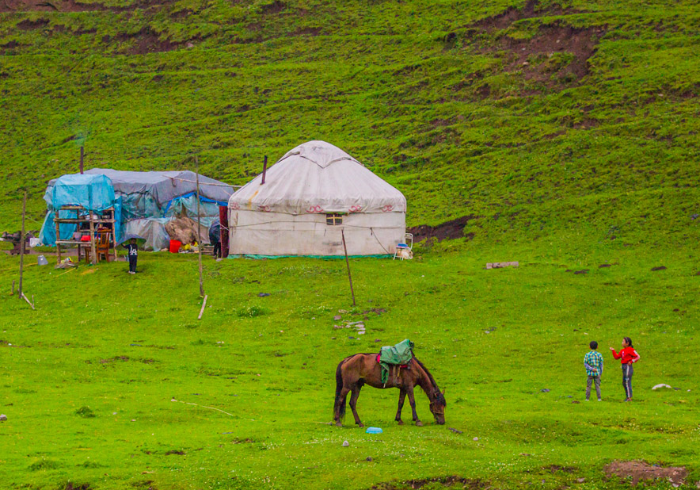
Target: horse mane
{"points": [[434, 384]]}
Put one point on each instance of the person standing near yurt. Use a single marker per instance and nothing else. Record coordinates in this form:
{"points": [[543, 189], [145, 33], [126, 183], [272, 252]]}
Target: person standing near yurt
{"points": [[628, 356]]}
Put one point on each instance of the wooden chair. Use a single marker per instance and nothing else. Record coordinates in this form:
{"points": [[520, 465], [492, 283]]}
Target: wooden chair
{"points": [[102, 239]]}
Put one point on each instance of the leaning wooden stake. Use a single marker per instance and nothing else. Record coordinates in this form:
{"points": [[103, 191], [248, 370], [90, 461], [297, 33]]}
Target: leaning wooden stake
{"points": [[27, 300], [199, 237], [92, 238], [204, 303], [21, 245], [347, 262]]}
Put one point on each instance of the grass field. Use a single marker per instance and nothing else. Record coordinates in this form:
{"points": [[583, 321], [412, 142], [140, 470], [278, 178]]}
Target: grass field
{"points": [[127, 346], [566, 131]]}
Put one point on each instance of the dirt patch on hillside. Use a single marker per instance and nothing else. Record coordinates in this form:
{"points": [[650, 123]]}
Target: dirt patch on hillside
{"points": [[529, 11], [555, 468], [73, 6], [307, 31], [273, 8], [49, 6], [8, 46], [454, 482], [557, 51], [449, 230], [30, 25], [556, 54], [641, 470], [145, 41], [78, 486]]}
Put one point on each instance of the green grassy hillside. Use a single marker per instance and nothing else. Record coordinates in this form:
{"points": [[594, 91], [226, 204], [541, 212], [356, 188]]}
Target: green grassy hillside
{"points": [[567, 133], [540, 119], [126, 346]]}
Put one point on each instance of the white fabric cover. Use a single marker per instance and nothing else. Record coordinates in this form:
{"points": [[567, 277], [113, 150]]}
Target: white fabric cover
{"points": [[256, 233], [287, 214], [317, 177]]}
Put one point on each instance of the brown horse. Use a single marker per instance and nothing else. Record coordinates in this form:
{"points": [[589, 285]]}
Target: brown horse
{"points": [[360, 369]]}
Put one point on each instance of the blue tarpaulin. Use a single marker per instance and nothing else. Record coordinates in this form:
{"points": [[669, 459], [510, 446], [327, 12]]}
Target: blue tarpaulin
{"points": [[95, 193], [145, 202]]}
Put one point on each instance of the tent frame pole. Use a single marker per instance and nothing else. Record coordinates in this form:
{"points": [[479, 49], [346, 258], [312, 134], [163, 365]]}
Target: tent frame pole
{"points": [[347, 263], [199, 235], [21, 246]]}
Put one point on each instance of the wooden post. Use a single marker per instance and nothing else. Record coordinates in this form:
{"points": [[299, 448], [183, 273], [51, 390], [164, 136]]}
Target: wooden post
{"points": [[13, 288], [82, 156], [264, 170], [21, 245], [199, 236], [347, 262], [204, 303], [27, 300], [92, 238], [57, 215]]}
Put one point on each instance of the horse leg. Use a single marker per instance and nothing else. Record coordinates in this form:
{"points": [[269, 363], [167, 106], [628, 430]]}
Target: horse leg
{"points": [[340, 409], [402, 399], [412, 401], [353, 405]]}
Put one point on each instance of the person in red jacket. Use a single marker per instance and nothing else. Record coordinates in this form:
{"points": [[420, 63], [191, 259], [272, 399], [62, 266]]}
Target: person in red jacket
{"points": [[629, 356]]}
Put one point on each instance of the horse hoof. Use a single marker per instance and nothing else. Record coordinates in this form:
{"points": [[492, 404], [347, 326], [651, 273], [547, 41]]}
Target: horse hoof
{"points": [[419, 423], [360, 424], [338, 424], [400, 422]]}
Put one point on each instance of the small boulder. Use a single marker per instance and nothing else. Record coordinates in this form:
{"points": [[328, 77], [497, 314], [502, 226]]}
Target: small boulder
{"points": [[337, 318], [3, 417], [346, 443], [369, 458]]}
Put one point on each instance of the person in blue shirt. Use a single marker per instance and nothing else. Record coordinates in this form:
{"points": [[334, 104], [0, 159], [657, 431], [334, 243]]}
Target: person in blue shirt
{"points": [[593, 362]]}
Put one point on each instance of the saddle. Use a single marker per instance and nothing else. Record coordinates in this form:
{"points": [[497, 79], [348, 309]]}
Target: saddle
{"points": [[394, 358]]}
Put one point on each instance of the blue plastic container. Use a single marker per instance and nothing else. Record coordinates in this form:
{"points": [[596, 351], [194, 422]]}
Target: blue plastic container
{"points": [[374, 430]]}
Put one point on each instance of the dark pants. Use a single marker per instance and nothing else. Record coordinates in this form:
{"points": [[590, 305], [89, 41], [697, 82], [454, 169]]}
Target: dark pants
{"points": [[627, 372], [217, 249], [132, 262], [591, 380]]}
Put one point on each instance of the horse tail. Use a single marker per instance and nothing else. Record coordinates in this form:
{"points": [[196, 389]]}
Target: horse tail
{"points": [[339, 407]]}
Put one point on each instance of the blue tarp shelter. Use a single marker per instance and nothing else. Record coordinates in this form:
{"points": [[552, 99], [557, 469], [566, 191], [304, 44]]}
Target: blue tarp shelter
{"points": [[149, 200], [95, 193]]}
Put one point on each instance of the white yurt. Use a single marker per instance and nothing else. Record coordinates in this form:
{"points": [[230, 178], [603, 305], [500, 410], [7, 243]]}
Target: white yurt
{"points": [[311, 195]]}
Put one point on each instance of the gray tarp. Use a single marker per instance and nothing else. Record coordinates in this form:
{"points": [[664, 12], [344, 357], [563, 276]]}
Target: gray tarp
{"points": [[164, 186]]}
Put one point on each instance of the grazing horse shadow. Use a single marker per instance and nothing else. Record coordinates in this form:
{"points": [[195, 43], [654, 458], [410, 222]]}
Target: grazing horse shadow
{"points": [[363, 369]]}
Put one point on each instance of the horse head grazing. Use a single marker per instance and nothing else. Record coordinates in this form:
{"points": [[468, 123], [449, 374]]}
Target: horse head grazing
{"points": [[437, 406], [437, 398]]}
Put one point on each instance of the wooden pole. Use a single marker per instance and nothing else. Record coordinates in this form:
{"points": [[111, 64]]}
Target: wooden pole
{"points": [[347, 262], [204, 303], [264, 170], [199, 236], [21, 244], [92, 238], [57, 214], [13, 288], [27, 300], [82, 156]]}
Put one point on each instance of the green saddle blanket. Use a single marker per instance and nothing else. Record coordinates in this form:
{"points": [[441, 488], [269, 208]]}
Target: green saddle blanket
{"points": [[399, 354]]}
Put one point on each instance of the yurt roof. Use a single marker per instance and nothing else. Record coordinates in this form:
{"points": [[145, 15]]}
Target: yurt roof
{"points": [[317, 177]]}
